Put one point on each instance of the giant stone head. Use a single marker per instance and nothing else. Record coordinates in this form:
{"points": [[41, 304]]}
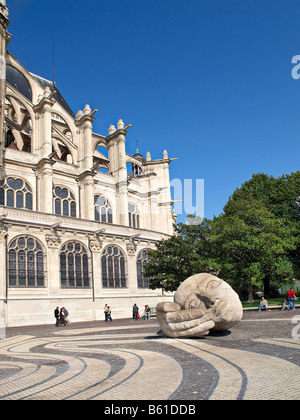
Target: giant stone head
{"points": [[202, 303]]}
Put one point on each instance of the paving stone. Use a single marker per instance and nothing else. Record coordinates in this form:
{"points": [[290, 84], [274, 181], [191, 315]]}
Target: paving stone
{"points": [[132, 360]]}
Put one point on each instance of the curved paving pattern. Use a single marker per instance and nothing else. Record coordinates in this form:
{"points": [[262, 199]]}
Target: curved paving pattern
{"points": [[132, 362]]}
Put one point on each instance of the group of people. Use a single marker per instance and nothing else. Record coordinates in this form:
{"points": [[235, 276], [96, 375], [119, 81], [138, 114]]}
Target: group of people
{"points": [[62, 316], [136, 312], [289, 301]]}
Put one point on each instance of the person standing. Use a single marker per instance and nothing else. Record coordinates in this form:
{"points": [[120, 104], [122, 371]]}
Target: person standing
{"points": [[105, 312], [135, 311], [291, 297], [56, 315]]}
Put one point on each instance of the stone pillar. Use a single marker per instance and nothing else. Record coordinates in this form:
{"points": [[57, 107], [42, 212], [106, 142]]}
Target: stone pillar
{"points": [[45, 185], [86, 184], [3, 284], [132, 273], [117, 154], [95, 245], [84, 122], [43, 115], [53, 244], [4, 38]]}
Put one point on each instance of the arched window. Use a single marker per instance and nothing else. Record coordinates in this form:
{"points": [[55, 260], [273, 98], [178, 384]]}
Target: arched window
{"points": [[15, 192], [113, 268], [64, 202], [141, 262], [26, 263], [103, 209], [133, 215], [74, 266]]}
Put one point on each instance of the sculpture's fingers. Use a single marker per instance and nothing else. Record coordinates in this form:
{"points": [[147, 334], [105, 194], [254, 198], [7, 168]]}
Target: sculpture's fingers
{"points": [[197, 331], [188, 324], [165, 307], [186, 315]]}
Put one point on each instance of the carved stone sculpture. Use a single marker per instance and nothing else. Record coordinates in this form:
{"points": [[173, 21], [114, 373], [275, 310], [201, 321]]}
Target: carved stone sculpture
{"points": [[202, 303]]}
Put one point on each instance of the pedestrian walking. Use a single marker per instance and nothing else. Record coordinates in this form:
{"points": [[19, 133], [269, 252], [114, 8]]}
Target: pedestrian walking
{"points": [[66, 315], [108, 314]]}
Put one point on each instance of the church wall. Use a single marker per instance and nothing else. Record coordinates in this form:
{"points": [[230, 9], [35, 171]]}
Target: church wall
{"points": [[47, 146]]}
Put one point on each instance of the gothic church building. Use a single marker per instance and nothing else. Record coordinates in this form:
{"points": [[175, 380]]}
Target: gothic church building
{"points": [[77, 212]]}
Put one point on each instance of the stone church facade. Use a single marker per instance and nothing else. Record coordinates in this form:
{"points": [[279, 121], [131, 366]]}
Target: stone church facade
{"points": [[77, 212]]}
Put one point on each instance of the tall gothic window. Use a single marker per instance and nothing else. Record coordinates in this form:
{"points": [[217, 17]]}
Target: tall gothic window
{"points": [[103, 209], [141, 262], [15, 192], [64, 202], [74, 266], [26, 263], [113, 268], [133, 216]]}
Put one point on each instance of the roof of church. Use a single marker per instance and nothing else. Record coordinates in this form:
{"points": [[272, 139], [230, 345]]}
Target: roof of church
{"points": [[57, 96], [19, 82]]}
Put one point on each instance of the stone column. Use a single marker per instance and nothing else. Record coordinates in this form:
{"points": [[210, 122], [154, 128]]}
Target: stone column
{"points": [[53, 244], [132, 272], [117, 155], [84, 122], [95, 245], [43, 114], [3, 284], [87, 190], [45, 185], [4, 38]]}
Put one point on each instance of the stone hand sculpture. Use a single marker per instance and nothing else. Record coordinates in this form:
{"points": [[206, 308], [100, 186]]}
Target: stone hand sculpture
{"points": [[202, 303]]}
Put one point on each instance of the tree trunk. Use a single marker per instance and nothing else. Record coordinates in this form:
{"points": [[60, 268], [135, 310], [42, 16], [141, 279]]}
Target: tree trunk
{"points": [[250, 291]]}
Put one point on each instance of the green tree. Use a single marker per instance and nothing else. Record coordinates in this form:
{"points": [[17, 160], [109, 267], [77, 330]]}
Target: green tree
{"points": [[280, 196], [179, 257], [250, 243]]}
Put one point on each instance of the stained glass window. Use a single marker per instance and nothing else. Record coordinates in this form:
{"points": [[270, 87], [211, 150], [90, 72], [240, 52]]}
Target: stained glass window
{"points": [[133, 216], [15, 192], [74, 266], [26, 266], [103, 209], [64, 202], [113, 268], [141, 262]]}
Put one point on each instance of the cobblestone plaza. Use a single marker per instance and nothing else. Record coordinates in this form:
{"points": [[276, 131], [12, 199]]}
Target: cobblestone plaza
{"points": [[131, 360]]}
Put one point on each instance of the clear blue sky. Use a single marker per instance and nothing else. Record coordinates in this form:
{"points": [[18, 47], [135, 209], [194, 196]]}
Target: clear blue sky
{"points": [[210, 81]]}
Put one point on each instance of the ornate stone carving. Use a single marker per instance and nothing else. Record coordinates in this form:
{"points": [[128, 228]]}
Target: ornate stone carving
{"points": [[132, 245], [3, 234], [202, 303], [95, 244], [53, 240]]}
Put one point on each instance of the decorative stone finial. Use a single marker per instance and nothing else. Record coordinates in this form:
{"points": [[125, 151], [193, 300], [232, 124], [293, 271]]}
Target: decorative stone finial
{"points": [[120, 124], [87, 110], [79, 115], [112, 129], [165, 155], [148, 156], [47, 92]]}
